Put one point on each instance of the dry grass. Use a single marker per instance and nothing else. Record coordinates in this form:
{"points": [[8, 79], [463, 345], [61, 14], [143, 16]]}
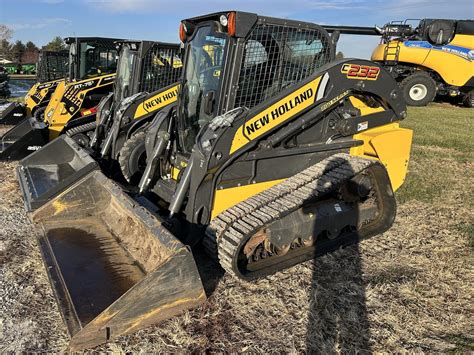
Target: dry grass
{"points": [[409, 289]]}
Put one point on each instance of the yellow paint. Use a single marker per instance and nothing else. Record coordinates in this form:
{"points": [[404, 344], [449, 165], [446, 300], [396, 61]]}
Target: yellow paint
{"points": [[158, 101], [364, 109], [389, 144], [39, 93], [453, 69], [276, 114], [226, 198], [174, 173], [56, 114]]}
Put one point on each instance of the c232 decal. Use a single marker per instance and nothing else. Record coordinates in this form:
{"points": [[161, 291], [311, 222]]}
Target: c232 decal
{"points": [[360, 72]]}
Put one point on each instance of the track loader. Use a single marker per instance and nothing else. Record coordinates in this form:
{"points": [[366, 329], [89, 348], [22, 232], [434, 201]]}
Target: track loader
{"points": [[71, 108], [52, 67], [274, 153], [147, 81]]}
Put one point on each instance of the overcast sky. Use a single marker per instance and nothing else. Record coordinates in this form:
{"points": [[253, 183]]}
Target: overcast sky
{"points": [[41, 20]]}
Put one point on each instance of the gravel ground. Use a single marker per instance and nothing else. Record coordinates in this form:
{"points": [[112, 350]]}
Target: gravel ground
{"points": [[409, 289]]}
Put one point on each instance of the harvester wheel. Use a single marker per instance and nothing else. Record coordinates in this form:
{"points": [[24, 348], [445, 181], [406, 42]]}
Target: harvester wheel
{"points": [[132, 157], [419, 89], [468, 99], [39, 114]]}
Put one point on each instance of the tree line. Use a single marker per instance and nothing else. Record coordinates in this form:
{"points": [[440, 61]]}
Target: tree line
{"points": [[19, 52]]}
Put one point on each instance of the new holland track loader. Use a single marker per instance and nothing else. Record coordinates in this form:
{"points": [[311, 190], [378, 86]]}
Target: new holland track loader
{"points": [[52, 67], [71, 108], [273, 154], [427, 57], [147, 81]]}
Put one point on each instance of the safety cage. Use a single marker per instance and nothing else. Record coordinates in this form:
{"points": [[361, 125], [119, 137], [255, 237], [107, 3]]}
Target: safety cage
{"points": [[52, 65], [161, 67], [277, 56], [91, 56]]}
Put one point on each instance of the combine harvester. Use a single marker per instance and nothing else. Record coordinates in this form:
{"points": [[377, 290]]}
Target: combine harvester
{"points": [[431, 57], [272, 154], [71, 108], [52, 67]]}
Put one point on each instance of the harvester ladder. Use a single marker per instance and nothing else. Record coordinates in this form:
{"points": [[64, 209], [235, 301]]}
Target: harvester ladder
{"points": [[391, 52]]}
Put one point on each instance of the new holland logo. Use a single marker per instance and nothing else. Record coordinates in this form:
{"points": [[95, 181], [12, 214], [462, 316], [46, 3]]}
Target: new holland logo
{"points": [[278, 112], [157, 101]]}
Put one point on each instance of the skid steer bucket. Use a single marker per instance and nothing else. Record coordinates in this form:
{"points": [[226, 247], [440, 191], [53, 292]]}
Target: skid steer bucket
{"points": [[50, 170], [113, 266], [23, 139], [12, 113]]}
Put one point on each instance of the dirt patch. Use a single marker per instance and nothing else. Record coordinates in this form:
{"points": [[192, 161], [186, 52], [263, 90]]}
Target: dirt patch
{"points": [[29, 318]]}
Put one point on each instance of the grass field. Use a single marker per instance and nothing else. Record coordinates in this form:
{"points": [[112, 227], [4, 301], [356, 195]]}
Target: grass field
{"points": [[409, 289]]}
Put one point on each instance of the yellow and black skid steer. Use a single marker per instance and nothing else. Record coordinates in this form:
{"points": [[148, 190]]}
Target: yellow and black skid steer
{"points": [[272, 155], [71, 108], [147, 81], [52, 67]]}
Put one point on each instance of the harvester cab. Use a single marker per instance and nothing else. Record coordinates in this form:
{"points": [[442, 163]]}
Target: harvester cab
{"points": [[51, 68], [71, 108], [275, 152], [147, 81]]}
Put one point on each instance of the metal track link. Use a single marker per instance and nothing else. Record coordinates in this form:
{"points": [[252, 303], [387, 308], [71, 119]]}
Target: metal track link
{"points": [[80, 129], [229, 230]]}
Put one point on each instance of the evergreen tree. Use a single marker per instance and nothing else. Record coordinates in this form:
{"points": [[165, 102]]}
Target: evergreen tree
{"points": [[56, 44]]}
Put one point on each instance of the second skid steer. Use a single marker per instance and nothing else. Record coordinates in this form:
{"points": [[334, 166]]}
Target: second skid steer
{"points": [[273, 154], [52, 67], [147, 81], [71, 108]]}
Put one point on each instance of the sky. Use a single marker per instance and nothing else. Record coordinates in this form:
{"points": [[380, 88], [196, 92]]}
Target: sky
{"points": [[41, 20]]}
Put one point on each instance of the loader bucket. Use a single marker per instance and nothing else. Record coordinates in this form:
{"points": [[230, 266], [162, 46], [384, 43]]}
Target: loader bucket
{"points": [[12, 113], [23, 139], [50, 170], [114, 267]]}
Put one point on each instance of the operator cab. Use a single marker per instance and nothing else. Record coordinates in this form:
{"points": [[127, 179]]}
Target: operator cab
{"points": [[91, 56], [238, 59]]}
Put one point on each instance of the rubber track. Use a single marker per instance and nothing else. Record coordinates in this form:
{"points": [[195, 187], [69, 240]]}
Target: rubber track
{"points": [[231, 228], [82, 128]]}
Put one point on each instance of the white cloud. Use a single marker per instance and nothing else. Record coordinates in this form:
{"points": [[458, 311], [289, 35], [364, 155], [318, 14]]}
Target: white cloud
{"points": [[39, 24]]}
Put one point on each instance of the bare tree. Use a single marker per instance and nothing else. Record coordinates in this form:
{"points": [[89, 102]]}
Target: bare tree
{"points": [[5, 33]]}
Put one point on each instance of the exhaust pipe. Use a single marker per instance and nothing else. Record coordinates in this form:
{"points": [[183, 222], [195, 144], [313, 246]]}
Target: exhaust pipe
{"points": [[113, 266]]}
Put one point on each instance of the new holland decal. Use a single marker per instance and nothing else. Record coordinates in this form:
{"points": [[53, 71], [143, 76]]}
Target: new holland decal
{"points": [[276, 114], [360, 72], [157, 101], [465, 53]]}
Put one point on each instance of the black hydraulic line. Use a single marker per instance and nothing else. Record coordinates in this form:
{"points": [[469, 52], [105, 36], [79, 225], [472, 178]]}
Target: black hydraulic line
{"points": [[354, 30]]}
